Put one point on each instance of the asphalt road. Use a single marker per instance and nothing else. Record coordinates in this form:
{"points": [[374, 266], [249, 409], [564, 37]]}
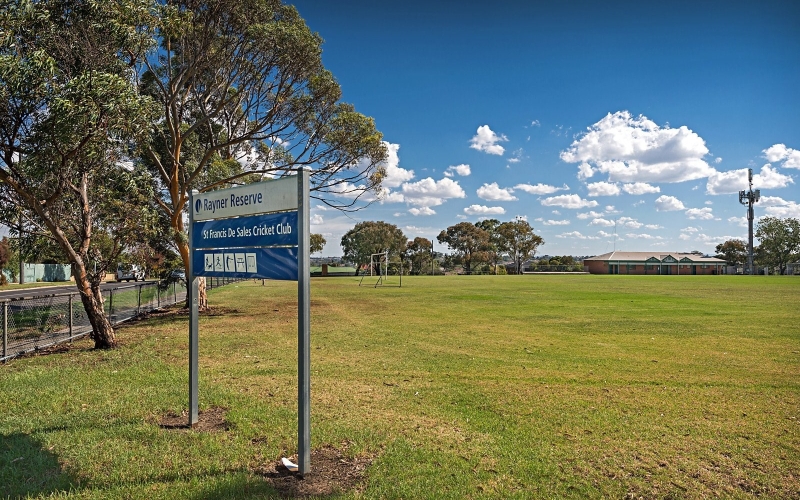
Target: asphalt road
{"points": [[65, 288]]}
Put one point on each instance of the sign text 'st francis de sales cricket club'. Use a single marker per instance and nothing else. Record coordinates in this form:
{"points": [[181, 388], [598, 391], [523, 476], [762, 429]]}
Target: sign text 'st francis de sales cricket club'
{"points": [[233, 237]]}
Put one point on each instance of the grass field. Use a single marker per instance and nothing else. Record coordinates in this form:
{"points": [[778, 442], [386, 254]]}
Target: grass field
{"points": [[453, 387]]}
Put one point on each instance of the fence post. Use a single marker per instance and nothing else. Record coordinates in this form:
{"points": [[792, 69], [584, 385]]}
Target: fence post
{"points": [[111, 302], [5, 330], [139, 301], [71, 296], [158, 296], [174, 294]]}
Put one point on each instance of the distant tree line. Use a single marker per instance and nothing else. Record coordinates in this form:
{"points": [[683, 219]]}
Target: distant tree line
{"points": [[484, 242], [779, 245]]}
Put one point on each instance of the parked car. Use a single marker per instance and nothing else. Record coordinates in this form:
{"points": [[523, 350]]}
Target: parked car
{"points": [[177, 275], [127, 272]]}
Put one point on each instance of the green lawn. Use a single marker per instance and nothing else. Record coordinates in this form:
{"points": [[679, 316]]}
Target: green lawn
{"points": [[455, 387]]}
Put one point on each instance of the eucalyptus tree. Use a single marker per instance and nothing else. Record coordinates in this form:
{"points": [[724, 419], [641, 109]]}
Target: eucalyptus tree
{"points": [[367, 238], [420, 253], [733, 251], [467, 240], [317, 242], [68, 108], [243, 96], [493, 245], [519, 241], [779, 241]]}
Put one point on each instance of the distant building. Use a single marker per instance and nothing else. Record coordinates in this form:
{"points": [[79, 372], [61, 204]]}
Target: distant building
{"points": [[653, 263]]}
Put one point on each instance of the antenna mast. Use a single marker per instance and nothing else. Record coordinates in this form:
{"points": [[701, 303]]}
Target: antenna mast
{"points": [[748, 198]]}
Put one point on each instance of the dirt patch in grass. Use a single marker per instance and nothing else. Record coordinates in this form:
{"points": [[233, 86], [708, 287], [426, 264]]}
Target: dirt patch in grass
{"points": [[179, 311], [209, 420], [331, 472]]}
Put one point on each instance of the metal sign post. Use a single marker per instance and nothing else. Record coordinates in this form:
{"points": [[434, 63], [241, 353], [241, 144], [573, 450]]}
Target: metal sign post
{"points": [[303, 327], [262, 231]]}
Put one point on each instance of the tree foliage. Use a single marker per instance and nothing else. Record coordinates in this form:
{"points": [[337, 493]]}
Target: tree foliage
{"points": [[494, 243], [243, 96], [368, 238], [68, 106], [317, 243], [418, 254], [519, 241], [734, 252], [467, 240], [779, 241]]}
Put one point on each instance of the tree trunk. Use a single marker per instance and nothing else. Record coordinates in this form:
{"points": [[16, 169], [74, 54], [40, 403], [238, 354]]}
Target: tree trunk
{"points": [[92, 299]]}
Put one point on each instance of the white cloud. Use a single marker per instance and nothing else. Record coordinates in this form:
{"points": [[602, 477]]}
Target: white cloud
{"points": [[611, 210], [589, 215], [395, 175], [388, 196], [568, 201], [644, 236], [601, 222], [535, 123], [733, 181], [779, 152], [718, 160], [421, 211], [700, 213], [739, 221], [666, 203], [484, 210], [770, 178], [556, 212], [351, 191], [775, 206], [430, 193], [636, 149], [585, 171], [540, 188], [653, 226], [708, 202], [317, 219], [485, 140], [517, 156], [551, 222], [629, 222], [637, 188], [463, 170], [577, 235], [603, 189], [493, 192]]}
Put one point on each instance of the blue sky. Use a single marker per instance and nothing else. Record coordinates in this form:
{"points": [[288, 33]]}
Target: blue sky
{"points": [[578, 116]]}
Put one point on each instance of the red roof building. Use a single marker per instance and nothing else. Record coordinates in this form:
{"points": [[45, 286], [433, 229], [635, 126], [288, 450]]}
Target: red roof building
{"points": [[653, 263]]}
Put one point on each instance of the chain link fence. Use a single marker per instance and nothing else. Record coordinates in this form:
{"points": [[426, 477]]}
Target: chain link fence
{"points": [[31, 323]]}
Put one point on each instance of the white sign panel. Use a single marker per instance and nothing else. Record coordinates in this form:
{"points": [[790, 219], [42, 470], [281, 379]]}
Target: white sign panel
{"points": [[269, 196]]}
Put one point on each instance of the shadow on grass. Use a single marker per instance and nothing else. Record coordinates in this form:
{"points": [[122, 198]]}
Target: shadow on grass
{"points": [[27, 468]]}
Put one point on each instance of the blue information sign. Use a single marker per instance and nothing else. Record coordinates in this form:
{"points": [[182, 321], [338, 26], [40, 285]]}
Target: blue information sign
{"points": [[271, 263], [276, 229]]}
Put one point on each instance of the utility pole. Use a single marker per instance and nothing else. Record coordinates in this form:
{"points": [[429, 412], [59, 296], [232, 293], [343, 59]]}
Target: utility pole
{"points": [[748, 198]]}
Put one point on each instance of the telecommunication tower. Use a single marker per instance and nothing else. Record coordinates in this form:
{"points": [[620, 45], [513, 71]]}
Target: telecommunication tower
{"points": [[748, 198]]}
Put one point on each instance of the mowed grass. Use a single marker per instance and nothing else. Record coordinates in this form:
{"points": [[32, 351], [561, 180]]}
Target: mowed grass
{"points": [[457, 387]]}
